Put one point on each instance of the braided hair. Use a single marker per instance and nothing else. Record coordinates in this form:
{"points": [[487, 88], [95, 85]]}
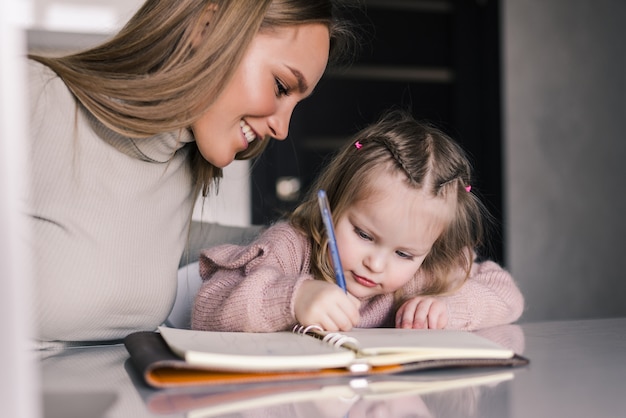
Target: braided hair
{"points": [[430, 161]]}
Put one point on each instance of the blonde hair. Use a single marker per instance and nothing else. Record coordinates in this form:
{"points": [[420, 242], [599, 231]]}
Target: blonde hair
{"points": [[430, 161], [154, 77]]}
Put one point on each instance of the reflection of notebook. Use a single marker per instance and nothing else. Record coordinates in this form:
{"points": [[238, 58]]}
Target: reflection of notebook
{"points": [[209, 403]]}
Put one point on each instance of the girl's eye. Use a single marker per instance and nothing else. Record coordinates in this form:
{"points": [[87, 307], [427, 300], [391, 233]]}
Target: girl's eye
{"points": [[362, 234], [402, 254], [281, 89]]}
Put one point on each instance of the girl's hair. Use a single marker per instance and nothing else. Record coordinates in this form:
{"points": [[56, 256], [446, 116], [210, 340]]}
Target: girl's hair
{"points": [[154, 76], [430, 161]]}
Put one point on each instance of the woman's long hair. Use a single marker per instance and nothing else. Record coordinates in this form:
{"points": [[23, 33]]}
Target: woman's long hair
{"points": [[154, 76]]}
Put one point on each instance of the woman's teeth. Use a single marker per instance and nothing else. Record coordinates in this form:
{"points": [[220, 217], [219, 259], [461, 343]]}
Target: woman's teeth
{"points": [[247, 131]]}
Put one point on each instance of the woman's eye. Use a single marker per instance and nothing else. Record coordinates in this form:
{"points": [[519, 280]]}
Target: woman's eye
{"points": [[281, 89]]}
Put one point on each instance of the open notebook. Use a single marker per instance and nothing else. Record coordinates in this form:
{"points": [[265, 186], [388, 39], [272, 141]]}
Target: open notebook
{"points": [[176, 357]]}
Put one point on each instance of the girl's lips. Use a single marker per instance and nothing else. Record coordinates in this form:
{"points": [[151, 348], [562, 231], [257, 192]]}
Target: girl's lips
{"points": [[364, 282]]}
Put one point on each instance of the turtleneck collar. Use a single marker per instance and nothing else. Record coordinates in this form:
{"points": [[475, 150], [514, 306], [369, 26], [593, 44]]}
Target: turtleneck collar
{"points": [[159, 148]]}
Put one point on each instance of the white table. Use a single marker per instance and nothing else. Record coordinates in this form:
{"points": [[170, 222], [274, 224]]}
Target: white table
{"points": [[577, 369]]}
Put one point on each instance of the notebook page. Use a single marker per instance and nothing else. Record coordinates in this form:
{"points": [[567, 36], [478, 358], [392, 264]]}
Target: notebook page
{"points": [[382, 346], [246, 352]]}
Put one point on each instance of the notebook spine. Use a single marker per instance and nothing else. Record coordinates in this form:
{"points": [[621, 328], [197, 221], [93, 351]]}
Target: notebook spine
{"points": [[301, 329], [335, 339]]}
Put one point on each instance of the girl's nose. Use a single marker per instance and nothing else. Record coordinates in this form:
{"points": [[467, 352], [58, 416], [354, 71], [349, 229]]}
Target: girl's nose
{"points": [[375, 261]]}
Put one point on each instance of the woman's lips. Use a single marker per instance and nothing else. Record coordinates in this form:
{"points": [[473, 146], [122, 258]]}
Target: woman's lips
{"points": [[364, 282], [248, 132]]}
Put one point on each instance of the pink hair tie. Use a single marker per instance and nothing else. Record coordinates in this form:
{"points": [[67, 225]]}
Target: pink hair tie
{"points": [[358, 145], [468, 188]]}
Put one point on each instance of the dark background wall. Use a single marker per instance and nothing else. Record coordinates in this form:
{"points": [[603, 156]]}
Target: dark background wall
{"points": [[440, 59]]}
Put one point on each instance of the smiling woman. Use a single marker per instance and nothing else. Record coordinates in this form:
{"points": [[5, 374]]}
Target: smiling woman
{"points": [[277, 71], [125, 135]]}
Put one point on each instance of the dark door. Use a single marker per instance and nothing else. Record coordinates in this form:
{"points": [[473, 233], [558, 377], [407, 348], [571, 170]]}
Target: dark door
{"points": [[440, 59]]}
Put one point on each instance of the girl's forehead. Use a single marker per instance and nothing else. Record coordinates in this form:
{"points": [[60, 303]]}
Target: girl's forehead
{"points": [[390, 190], [384, 184], [402, 219]]}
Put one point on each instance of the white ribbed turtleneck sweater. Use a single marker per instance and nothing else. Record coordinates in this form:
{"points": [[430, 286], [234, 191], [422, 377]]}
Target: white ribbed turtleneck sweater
{"points": [[108, 216]]}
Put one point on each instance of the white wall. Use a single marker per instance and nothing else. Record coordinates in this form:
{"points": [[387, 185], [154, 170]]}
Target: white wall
{"points": [[19, 381], [90, 16], [232, 206], [565, 155]]}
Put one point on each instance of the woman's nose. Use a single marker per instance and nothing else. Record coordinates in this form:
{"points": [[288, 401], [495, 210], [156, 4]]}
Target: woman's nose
{"points": [[279, 123]]}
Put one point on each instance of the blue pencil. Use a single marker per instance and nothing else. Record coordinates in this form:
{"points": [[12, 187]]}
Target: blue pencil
{"points": [[332, 241]]}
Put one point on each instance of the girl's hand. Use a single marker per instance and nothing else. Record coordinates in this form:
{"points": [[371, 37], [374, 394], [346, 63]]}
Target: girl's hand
{"points": [[325, 304], [422, 312]]}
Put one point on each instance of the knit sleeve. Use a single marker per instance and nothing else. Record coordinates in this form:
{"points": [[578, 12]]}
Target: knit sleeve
{"points": [[204, 235], [489, 297], [250, 288]]}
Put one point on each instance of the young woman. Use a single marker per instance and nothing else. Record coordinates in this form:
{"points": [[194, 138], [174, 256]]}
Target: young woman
{"points": [[407, 227], [126, 134]]}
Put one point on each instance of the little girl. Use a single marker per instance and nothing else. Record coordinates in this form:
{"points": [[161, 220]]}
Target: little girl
{"points": [[407, 226]]}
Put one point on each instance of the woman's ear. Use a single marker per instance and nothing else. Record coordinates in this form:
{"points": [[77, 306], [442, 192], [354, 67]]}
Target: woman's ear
{"points": [[205, 21]]}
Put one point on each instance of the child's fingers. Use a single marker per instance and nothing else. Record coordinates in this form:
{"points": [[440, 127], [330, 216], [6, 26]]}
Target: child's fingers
{"points": [[437, 315], [420, 313], [329, 307], [337, 320], [355, 301], [408, 314], [420, 318], [347, 315]]}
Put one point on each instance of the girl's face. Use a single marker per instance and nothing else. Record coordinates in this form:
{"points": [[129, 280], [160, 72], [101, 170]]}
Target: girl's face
{"points": [[384, 239], [280, 68]]}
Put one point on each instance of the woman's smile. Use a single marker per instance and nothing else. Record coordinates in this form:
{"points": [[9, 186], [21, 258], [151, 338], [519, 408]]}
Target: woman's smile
{"points": [[249, 133]]}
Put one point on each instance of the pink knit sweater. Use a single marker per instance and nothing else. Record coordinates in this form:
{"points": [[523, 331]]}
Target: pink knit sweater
{"points": [[251, 288]]}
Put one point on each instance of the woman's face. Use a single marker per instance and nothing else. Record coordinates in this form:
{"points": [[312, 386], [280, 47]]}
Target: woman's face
{"points": [[280, 68]]}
